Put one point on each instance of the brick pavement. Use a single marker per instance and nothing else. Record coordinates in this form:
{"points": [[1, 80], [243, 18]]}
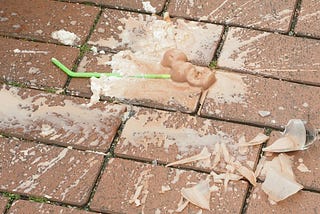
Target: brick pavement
{"points": [[61, 154]]}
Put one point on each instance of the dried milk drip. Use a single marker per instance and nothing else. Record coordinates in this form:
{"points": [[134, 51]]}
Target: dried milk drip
{"points": [[184, 71]]}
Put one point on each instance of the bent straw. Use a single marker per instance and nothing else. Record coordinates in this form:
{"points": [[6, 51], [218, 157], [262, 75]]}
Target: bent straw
{"points": [[94, 74]]}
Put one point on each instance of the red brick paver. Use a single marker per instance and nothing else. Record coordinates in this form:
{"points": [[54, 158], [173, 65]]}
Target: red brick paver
{"points": [[271, 15], [41, 208], [308, 19], [242, 98], [138, 5], [29, 63], [167, 137], [272, 55], [59, 174], [152, 179], [302, 202], [58, 119], [3, 203], [38, 19]]}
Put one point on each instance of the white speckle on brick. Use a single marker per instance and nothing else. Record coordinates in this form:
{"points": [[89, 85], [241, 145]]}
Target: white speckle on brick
{"points": [[264, 113], [101, 30], [34, 70], [16, 26], [3, 19]]}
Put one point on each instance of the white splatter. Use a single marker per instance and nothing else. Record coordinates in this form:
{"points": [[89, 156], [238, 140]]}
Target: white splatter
{"points": [[148, 7], [18, 51], [65, 37]]}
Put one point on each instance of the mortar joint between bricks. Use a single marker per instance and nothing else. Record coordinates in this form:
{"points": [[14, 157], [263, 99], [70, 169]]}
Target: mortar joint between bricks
{"points": [[221, 42], [294, 18]]}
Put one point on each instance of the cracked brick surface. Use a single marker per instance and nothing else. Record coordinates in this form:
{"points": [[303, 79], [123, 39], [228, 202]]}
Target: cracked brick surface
{"points": [[302, 202], [30, 19], [21, 206], [59, 174], [3, 203], [269, 54], [152, 178], [137, 5], [58, 119], [167, 137], [29, 63], [242, 97], [271, 15], [308, 18]]}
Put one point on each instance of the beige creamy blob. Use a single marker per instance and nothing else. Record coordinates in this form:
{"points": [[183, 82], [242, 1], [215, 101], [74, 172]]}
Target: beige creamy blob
{"points": [[183, 71]]}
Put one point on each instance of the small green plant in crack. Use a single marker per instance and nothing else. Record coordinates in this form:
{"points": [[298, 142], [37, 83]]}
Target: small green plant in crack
{"points": [[268, 131], [38, 199], [84, 49], [50, 90], [213, 64], [11, 196], [16, 84]]}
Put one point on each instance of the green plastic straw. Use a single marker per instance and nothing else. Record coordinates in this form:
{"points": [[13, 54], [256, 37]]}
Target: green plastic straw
{"points": [[95, 74]]}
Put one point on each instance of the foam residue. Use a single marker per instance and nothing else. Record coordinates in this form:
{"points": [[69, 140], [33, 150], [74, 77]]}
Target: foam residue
{"points": [[237, 47], [65, 37], [148, 7], [32, 181], [229, 88], [67, 121], [184, 138], [158, 37], [144, 55], [163, 91]]}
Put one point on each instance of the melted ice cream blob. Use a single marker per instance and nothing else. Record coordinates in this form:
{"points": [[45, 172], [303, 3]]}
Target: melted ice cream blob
{"points": [[183, 71]]}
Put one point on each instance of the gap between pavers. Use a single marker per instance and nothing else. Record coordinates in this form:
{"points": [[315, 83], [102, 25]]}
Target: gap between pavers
{"points": [[59, 174], [152, 179], [58, 119], [269, 54], [244, 98], [30, 20]]}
